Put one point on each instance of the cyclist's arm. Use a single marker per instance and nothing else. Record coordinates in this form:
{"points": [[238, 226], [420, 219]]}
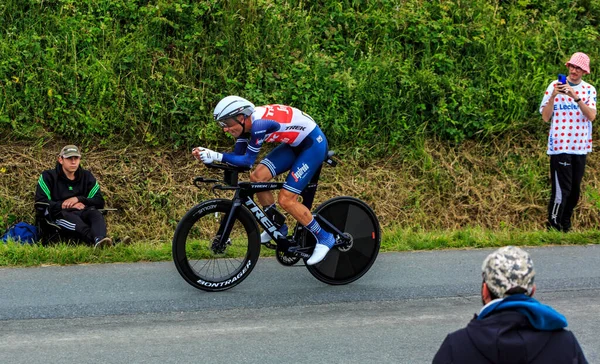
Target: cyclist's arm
{"points": [[260, 128], [244, 159], [240, 146]]}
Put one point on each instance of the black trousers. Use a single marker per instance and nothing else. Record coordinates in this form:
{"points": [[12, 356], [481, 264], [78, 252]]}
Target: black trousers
{"points": [[87, 224], [566, 172]]}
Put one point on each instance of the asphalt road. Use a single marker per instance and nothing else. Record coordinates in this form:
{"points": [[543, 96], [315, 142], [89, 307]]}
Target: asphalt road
{"points": [[399, 312]]}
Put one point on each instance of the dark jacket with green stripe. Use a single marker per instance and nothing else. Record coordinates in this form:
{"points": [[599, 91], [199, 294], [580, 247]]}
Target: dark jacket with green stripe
{"points": [[54, 187]]}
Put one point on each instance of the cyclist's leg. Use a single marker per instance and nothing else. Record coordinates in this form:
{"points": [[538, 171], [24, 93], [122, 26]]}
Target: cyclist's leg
{"points": [[307, 163], [262, 174], [279, 160]]}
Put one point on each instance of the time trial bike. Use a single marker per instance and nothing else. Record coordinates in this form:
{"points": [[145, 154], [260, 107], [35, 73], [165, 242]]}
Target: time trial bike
{"points": [[217, 243]]}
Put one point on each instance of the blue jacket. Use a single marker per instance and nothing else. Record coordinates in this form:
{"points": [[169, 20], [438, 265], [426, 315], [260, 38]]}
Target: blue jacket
{"points": [[516, 329]]}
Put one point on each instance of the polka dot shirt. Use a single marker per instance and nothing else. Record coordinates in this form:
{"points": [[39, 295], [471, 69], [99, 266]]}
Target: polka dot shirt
{"points": [[570, 131]]}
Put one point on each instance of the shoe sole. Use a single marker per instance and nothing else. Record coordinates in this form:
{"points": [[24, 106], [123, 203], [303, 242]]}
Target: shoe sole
{"points": [[103, 243]]}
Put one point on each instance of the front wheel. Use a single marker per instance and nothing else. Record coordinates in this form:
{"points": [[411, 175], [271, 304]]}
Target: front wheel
{"points": [[205, 260], [347, 263]]}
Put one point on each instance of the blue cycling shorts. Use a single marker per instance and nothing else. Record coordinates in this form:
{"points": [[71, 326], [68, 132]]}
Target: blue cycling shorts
{"points": [[302, 161]]}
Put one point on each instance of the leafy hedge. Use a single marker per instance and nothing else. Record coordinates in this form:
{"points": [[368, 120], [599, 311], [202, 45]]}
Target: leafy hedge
{"points": [[375, 74]]}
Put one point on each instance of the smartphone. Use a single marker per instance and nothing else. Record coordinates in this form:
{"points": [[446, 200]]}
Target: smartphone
{"points": [[562, 78]]}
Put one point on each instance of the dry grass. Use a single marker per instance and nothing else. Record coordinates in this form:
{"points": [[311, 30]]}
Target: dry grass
{"points": [[436, 186]]}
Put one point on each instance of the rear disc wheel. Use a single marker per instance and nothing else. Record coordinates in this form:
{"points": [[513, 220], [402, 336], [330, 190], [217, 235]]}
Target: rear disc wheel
{"points": [[350, 261]]}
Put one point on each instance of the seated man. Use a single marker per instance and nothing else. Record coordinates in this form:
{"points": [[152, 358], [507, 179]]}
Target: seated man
{"points": [[73, 197], [512, 327]]}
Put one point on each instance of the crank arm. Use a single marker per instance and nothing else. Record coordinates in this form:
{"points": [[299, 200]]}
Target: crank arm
{"points": [[303, 252]]}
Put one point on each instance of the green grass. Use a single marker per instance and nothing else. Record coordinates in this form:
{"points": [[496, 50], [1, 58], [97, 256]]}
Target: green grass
{"points": [[408, 239], [16, 255], [13, 254]]}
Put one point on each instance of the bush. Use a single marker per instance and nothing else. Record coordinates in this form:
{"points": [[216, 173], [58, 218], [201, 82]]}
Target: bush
{"points": [[373, 74]]}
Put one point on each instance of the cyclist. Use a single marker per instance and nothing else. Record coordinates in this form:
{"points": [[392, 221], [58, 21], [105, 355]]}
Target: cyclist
{"points": [[302, 150]]}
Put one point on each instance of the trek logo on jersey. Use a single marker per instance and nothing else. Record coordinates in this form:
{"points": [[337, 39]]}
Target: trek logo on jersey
{"points": [[300, 172], [295, 127]]}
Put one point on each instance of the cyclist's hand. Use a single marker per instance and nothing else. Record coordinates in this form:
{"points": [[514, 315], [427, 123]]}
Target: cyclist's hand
{"points": [[208, 156], [196, 152]]}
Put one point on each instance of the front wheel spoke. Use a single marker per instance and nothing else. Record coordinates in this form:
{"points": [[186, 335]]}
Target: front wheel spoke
{"points": [[228, 262], [194, 266], [219, 268], [206, 262]]}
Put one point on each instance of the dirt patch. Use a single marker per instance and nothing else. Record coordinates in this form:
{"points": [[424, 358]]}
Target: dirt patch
{"points": [[436, 186]]}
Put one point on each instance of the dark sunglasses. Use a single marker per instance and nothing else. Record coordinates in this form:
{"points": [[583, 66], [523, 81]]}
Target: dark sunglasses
{"points": [[227, 123]]}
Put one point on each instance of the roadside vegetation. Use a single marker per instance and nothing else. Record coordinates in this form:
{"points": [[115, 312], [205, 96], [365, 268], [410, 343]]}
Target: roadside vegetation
{"points": [[467, 196], [13, 254], [431, 106]]}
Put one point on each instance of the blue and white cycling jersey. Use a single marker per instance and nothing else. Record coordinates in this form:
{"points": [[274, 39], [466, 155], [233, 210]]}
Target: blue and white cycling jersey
{"points": [[303, 149]]}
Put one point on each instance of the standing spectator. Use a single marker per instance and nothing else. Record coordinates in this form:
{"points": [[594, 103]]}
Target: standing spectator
{"points": [[73, 197], [572, 107], [512, 327]]}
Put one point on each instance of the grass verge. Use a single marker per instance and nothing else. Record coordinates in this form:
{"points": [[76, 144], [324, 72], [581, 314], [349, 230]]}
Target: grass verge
{"points": [[16, 255]]}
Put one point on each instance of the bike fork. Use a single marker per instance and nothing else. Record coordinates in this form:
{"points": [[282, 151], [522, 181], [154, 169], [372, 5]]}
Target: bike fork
{"points": [[227, 225]]}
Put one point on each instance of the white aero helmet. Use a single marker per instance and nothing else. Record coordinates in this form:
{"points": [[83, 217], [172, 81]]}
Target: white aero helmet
{"points": [[231, 106]]}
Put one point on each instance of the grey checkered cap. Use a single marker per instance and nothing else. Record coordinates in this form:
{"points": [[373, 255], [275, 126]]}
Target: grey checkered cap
{"points": [[507, 268]]}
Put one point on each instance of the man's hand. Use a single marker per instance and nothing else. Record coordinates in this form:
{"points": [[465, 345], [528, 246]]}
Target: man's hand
{"points": [[207, 156], [70, 203], [79, 206], [567, 90], [556, 90]]}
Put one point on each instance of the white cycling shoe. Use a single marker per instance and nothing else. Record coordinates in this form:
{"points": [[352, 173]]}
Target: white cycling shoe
{"points": [[265, 237], [318, 254]]}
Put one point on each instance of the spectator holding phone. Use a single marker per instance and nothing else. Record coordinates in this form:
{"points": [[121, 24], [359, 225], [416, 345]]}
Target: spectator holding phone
{"points": [[570, 104]]}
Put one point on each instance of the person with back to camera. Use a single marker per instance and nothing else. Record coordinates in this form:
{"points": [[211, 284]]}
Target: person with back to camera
{"points": [[571, 105], [302, 150], [512, 327]]}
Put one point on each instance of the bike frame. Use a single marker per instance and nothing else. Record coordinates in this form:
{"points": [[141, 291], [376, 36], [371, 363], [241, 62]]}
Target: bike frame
{"points": [[244, 196]]}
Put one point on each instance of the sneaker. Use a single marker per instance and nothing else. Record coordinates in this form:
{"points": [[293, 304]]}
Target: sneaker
{"points": [[265, 237], [103, 243], [126, 240], [318, 254]]}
